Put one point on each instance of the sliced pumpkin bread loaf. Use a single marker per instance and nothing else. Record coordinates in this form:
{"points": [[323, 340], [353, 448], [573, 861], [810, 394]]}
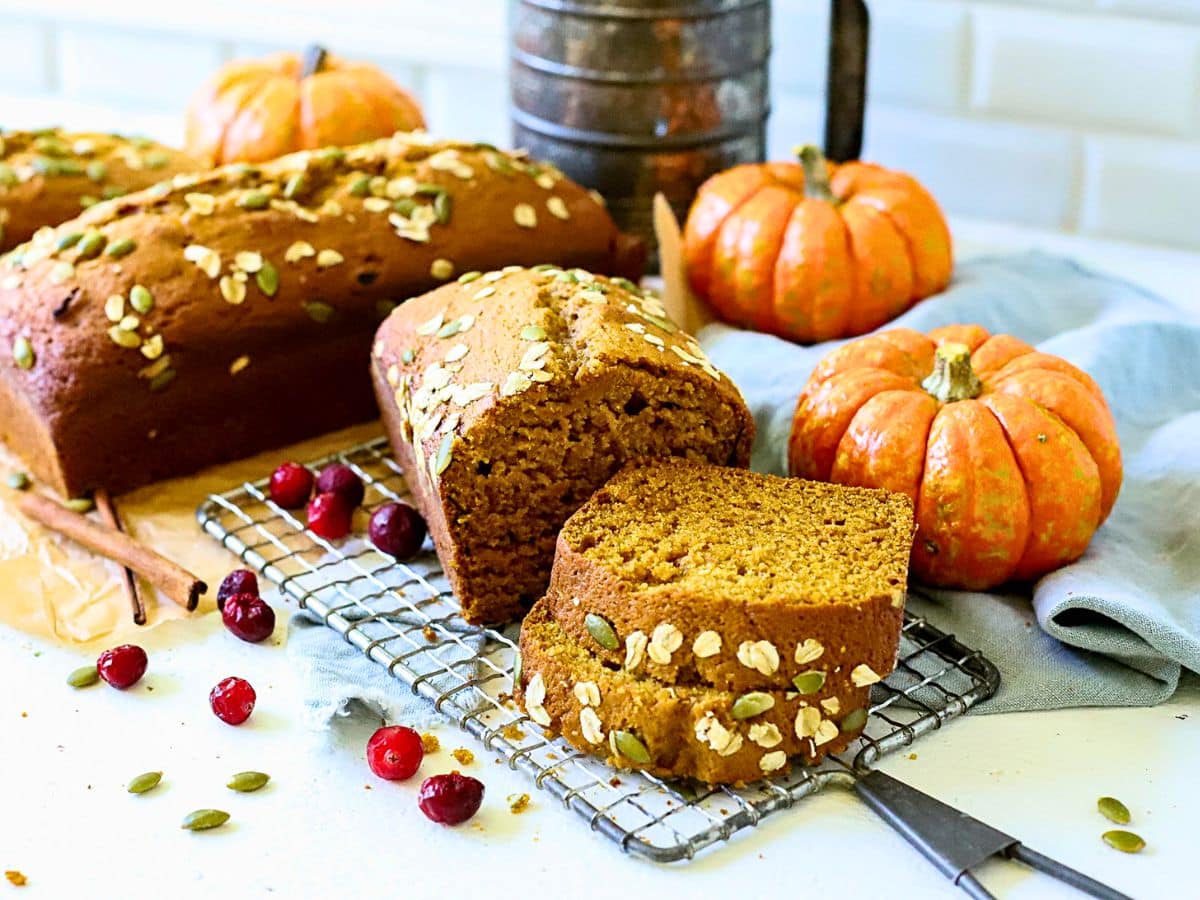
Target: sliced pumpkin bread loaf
{"points": [[511, 396], [684, 731], [696, 574]]}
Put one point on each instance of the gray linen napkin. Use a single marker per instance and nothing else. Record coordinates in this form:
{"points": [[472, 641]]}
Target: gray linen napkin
{"points": [[1118, 626]]}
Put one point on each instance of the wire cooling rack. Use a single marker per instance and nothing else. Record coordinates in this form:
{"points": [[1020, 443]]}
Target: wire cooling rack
{"points": [[403, 617]]}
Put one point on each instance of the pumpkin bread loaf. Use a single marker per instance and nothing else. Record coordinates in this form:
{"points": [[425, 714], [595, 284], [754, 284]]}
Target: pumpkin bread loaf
{"points": [[49, 176], [682, 731], [511, 396], [219, 314], [693, 574]]}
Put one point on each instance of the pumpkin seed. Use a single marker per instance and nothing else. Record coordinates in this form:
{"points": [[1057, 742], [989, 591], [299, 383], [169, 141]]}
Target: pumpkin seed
{"points": [[253, 200], [51, 146], [84, 676], [147, 781], [627, 285], [23, 354], [568, 277], [441, 208], [543, 267], [408, 356], [533, 333], [87, 201], [294, 186], [156, 160], [1125, 841], [444, 454], [468, 277], [91, 244], [248, 782], [854, 720], [141, 299], [602, 631], [450, 329], [162, 379], [405, 206], [120, 248], [267, 279], [67, 241], [7, 176], [628, 745], [665, 324], [18, 481], [319, 311], [112, 191], [336, 154], [809, 682], [518, 667], [97, 171], [752, 704], [203, 819], [361, 186], [1113, 810], [80, 505], [427, 189], [499, 163]]}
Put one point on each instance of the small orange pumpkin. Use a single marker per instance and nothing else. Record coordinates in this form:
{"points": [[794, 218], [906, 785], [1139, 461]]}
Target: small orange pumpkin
{"points": [[1009, 455], [814, 251], [254, 110]]}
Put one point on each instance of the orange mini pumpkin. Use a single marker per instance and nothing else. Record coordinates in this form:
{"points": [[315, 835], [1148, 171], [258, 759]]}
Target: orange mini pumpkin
{"points": [[254, 110], [813, 251], [1009, 455]]}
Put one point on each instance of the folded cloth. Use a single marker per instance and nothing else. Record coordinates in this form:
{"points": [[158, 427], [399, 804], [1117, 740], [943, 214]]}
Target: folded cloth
{"points": [[1118, 626]]}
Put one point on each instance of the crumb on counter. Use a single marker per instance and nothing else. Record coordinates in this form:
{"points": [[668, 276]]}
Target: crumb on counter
{"points": [[429, 634], [464, 756], [15, 878], [518, 803], [430, 742], [513, 733]]}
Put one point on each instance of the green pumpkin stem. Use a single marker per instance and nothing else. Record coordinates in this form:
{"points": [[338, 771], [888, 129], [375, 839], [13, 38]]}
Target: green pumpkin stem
{"points": [[816, 174], [314, 60], [952, 377]]}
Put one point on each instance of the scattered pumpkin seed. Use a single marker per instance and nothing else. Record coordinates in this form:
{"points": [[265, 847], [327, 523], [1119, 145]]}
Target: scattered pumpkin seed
{"points": [[627, 744], [162, 379], [602, 631], [18, 481], [120, 248], [87, 201], [451, 328], [444, 455], [405, 206], [319, 311], [518, 667], [627, 285], [84, 676], [1125, 841], [294, 186], [809, 682], [204, 819], [543, 267], [253, 200], [1113, 810], [533, 333], [408, 355], [141, 299], [752, 704], [854, 720], [91, 244], [7, 176], [334, 154], [267, 279], [113, 190], [441, 208], [80, 504], [441, 269], [361, 186], [96, 170], [23, 354], [468, 277], [156, 160], [67, 241], [123, 338], [248, 782], [147, 781], [567, 277]]}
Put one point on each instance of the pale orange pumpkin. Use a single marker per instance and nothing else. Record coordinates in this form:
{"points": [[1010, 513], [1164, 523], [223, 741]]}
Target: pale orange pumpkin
{"points": [[254, 110]]}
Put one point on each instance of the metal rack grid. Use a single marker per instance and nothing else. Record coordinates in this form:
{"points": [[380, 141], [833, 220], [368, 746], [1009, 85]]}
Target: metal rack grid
{"points": [[403, 617]]}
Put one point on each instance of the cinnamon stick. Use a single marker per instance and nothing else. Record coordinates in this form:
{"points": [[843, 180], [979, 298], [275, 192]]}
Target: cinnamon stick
{"points": [[108, 514], [180, 585]]}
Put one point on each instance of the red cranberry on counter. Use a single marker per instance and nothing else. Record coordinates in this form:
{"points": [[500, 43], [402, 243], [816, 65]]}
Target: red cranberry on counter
{"points": [[239, 581], [232, 700], [338, 478], [395, 752], [122, 666], [450, 799], [397, 529], [329, 516], [248, 617], [291, 485]]}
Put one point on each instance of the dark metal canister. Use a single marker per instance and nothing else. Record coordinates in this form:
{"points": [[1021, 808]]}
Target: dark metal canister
{"points": [[632, 97]]}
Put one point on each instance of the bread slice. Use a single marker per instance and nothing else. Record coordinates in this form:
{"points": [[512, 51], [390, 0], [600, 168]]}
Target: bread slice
{"points": [[718, 737], [695, 574], [510, 397]]}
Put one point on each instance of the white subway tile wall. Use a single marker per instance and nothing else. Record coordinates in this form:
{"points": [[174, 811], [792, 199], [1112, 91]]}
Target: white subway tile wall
{"points": [[1082, 115]]}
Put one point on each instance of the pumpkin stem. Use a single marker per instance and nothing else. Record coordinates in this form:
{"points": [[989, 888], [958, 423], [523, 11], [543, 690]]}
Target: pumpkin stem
{"points": [[816, 174], [314, 60], [952, 377]]}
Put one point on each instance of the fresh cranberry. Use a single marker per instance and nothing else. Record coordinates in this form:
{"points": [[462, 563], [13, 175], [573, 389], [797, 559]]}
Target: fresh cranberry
{"points": [[249, 617], [329, 516], [291, 485], [397, 529], [232, 700], [450, 799], [395, 752], [122, 666], [239, 581], [338, 478]]}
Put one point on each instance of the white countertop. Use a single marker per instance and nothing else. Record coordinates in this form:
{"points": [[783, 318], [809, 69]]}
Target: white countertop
{"points": [[69, 826]]}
